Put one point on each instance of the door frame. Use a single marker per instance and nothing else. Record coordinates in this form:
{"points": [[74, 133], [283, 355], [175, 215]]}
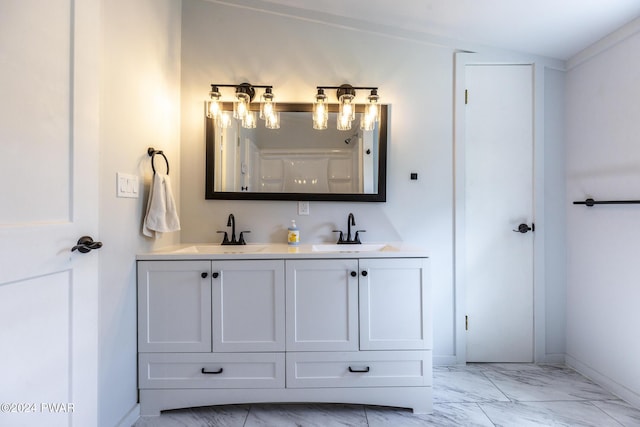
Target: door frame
{"points": [[461, 60]]}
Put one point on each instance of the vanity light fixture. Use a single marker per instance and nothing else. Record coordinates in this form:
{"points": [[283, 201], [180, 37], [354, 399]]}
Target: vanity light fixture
{"points": [[320, 110], [347, 109], [371, 113], [245, 92]]}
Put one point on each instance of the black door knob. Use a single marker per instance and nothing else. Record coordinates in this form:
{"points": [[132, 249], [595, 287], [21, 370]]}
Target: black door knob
{"points": [[523, 228], [86, 244]]}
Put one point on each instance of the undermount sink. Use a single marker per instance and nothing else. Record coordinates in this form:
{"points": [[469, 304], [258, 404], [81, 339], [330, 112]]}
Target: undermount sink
{"points": [[220, 249], [365, 247]]}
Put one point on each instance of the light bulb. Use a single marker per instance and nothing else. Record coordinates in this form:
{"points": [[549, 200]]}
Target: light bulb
{"points": [[241, 105], [224, 121], [272, 121], [267, 105], [320, 111], [249, 121], [213, 103]]}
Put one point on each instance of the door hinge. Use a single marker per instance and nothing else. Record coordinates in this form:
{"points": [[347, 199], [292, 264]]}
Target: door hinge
{"points": [[466, 96], [466, 323]]}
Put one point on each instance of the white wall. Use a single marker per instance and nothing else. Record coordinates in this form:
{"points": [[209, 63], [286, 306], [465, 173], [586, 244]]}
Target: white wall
{"points": [[603, 162], [295, 56], [140, 98], [554, 209], [226, 44]]}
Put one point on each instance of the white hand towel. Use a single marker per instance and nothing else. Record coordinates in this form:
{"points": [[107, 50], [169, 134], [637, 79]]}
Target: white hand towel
{"points": [[162, 215]]}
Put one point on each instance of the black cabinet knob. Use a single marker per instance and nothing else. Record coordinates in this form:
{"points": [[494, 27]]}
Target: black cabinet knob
{"points": [[215, 275], [364, 273], [204, 275], [354, 274]]}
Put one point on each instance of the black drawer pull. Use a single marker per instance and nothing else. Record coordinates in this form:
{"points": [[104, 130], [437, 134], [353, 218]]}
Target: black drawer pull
{"points": [[204, 371], [359, 370]]}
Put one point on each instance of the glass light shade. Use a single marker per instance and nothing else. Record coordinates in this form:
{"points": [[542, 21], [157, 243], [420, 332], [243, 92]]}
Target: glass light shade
{"points": [[320, 111], [347, 109], [272, 121], [249, 121], [213, 105], [367, 122], [267, 105], [241, 105], [372, 111], [344, 122], [224, 121]]}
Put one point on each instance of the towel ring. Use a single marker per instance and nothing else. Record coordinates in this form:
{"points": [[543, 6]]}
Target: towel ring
{"points": [[152, 153]]}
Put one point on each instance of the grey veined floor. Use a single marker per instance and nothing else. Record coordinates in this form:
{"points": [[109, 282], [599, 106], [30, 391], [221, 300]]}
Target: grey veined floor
{"points": [[518, 395]]}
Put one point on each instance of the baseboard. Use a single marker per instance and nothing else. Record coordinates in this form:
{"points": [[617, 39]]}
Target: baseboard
{"points": [[445, 360], [629, 396], [131, 417], [553, 359]]}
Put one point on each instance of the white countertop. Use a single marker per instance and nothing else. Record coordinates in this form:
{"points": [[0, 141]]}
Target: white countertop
{"points": [[195, 251]]}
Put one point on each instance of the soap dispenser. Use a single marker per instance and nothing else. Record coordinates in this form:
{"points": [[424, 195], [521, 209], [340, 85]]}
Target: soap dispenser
{"points": [[293, 237]]}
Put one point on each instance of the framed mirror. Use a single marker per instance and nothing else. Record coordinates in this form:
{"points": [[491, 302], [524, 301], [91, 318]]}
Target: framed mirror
{"points": [[295, 161]]}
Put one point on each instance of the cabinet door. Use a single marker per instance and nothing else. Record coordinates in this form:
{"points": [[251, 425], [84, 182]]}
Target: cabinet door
{"points": [[394, 304], [322, 305], [174, 306], [248, 306]]}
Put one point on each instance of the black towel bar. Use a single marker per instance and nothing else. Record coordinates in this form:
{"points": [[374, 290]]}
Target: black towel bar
{"points": [[591, 202], [152, 153]]}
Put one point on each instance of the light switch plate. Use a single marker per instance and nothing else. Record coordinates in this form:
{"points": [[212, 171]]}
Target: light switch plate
{"points": [[303, 208], [127, 185]]}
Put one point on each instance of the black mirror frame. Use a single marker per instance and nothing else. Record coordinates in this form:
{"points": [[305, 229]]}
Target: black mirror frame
{"points": [[379, 196]]}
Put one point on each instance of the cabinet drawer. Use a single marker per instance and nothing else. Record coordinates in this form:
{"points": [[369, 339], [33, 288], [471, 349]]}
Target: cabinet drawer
{"points": [[227, 370], [359, 369]]}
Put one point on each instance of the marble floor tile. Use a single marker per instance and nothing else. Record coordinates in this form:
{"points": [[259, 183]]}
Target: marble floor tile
{"points": [[546, 384], [306, 415], [483, 395], [547, 414], [464, 386], [444, 415], [624, 413], [209, 416]]}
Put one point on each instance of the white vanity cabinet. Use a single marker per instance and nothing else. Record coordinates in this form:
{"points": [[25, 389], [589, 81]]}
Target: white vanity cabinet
{"points": [[322, 305], [174, 306], [248, 300], [338, 310], [210, 325], [394, 304], [294, 328]]}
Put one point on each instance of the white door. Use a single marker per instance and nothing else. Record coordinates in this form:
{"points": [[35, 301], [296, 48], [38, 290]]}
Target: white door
{"points": [[322, 304], [174, 306], [248, 305], [394, 305], [49, 199], [498, 199]]}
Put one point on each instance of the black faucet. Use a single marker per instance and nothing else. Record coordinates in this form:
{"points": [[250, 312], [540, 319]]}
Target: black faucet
{"points": [[231, 222], [356, 238]]}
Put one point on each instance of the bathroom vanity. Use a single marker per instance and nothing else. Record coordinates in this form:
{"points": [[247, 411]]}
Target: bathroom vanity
{"points": [[271, 323]]}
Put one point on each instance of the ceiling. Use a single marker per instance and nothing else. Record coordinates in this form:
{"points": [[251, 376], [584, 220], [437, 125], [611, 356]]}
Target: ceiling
{"points": [[552, 28]]}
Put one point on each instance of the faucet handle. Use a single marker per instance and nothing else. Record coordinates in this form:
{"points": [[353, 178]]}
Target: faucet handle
{"points": [[241, 238], [225, 239], [341, 238], [356, 238]]}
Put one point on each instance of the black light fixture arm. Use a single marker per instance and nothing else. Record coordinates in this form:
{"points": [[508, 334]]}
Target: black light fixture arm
{"points": [[347, 89], [247, 88]]}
